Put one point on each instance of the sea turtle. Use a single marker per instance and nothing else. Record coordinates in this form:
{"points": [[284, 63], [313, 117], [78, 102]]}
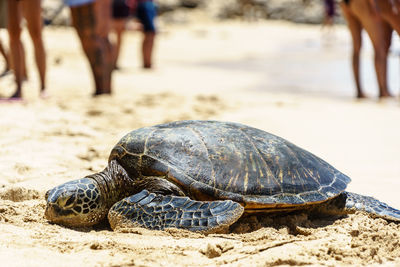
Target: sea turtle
{"points": [[202, 176]]}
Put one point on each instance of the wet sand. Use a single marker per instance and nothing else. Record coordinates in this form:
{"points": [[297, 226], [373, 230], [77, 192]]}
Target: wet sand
{"points": [[279, 77]]}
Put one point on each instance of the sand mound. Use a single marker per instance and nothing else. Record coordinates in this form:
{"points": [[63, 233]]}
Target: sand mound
{"points": [[18, 194]]}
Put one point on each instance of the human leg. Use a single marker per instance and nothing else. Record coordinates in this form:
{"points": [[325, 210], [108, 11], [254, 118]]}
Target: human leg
{"points": [[390, 12], [379, 33], [120, 16], [329, 12], [146, 13], [147, 49], [84, 20], [5, 56], [355, 28], [32, 14], [118, 26], [16, 48], [3, 24], [103, 25]]}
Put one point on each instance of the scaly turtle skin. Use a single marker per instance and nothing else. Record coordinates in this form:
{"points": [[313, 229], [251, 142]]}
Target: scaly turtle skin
{"points": [[202, 176]]}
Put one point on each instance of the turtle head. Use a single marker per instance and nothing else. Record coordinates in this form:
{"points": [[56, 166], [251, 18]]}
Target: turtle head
{"points": [[76, 203]]}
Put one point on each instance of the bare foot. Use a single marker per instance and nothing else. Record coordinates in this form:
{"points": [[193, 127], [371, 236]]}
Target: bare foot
{"points": [[101, 92], [17, 94], [385, 94], [361, 95], [16, 97], [44, 94]]}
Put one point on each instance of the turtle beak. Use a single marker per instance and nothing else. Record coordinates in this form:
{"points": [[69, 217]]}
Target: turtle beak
{"points": [[53, 211], [50, 213]]}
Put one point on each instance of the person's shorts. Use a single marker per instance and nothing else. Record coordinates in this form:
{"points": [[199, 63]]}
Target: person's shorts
{"points": [[146, 12], [120, 9], [73, 3]]}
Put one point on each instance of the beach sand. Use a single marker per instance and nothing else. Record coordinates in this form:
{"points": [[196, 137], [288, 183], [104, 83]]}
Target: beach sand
{"points": [[279, 77]]}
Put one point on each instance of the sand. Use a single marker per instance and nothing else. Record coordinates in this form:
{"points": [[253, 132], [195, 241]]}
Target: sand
{"points": [[279, 77]]}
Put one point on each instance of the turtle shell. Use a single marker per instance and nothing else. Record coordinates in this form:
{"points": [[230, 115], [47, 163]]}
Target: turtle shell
{"points": [[220, 160]]}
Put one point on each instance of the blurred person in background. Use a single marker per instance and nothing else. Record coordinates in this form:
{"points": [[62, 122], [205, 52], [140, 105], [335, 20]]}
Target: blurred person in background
{"points": [[31, 11], [120, 15], [389, 10], [329, 20], [145, 11], [363, 14], [91, 19], [330, 12]]}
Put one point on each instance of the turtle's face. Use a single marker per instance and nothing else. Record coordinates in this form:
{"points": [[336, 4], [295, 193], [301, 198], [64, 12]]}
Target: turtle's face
{"points": [[75, 203]]}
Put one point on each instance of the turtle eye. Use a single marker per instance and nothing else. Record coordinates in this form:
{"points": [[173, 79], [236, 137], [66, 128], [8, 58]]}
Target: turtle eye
{"points": [[69, 202]]}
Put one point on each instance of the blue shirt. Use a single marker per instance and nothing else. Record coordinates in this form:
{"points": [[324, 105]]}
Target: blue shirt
{"points": [[77, 2]]}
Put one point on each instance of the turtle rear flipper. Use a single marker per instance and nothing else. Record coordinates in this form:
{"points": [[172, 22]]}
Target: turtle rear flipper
{"points": [[155, 211], [370, 205]]}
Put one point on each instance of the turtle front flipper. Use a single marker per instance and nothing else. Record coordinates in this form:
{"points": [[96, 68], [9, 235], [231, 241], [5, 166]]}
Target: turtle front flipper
{"points": [[155, 211]]}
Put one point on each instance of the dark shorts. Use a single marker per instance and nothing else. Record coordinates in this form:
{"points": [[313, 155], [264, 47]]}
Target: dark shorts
{"points": [[120, 9], [146, 12]]}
